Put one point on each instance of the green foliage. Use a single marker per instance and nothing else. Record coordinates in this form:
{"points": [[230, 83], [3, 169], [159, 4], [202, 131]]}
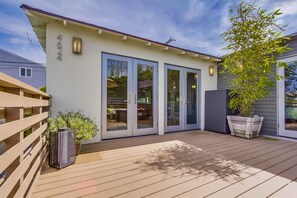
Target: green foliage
{"points": [[292, 112], [271, 139], [43, 88], [56, 123], [118, 71], [253, 41], [28, 131], [85, 128]]}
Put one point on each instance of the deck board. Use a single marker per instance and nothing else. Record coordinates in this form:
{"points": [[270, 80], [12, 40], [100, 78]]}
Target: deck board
{"points": [[183, 164]]}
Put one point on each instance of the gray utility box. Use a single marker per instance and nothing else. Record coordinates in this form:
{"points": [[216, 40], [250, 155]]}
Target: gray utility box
{"points": [[62, 145], [216, 111]]}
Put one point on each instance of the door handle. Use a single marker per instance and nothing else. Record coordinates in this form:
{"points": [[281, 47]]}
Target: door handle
{"points": [[129, 101], [135, 99]]}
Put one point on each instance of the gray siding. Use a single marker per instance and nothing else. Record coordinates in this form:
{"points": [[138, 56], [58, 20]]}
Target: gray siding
{"points": [[266, 108], [10, 64]]}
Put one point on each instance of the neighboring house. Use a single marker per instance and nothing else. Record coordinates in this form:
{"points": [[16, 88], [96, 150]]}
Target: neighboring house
{"points": [[279, 109], [22, 69], [130, 85]]}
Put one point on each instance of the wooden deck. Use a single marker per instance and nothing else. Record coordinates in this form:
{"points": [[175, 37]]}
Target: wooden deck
{"points": [[185, 164]]}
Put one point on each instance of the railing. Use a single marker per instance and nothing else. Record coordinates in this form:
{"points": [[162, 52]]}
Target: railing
{"points": [[23, 149]]}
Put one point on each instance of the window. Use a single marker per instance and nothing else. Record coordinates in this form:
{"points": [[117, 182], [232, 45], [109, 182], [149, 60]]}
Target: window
{"points": [[25, 72]]}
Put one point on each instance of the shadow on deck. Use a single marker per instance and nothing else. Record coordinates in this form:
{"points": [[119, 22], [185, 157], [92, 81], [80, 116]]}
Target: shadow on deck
{"points": [[184, 164]]}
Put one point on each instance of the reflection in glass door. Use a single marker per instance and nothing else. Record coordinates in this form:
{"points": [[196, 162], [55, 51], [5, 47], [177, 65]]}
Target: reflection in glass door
{"points": [[129, 105], [181, 98], [173, 95], [288, 100], [191, 102], [145, 106], [117, 86], [116, 100]]}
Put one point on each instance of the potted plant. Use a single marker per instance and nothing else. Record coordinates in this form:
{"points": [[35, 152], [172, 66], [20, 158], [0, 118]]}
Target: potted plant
{"points": [[84, 127], [111, 113], [252, 42]]}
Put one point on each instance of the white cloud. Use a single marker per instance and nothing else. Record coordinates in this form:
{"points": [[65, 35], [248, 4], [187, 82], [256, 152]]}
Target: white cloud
{"points": [[29, 52], [289, 10], [196, 25], [287, 7], [196, 8], [14, 25]]}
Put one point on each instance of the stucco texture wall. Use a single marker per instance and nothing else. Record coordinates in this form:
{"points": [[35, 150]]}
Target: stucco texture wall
{"points": [[75, 82]]}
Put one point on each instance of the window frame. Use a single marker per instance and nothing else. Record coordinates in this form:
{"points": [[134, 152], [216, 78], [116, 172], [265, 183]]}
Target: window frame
{"points": [[26, 72]]}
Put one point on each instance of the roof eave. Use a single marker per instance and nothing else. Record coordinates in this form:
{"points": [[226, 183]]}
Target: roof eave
{"points": [[28, 11]]}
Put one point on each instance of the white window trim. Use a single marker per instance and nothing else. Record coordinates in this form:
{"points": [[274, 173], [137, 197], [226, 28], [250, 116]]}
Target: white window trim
{"points": [[26, 68], [280, 100]]}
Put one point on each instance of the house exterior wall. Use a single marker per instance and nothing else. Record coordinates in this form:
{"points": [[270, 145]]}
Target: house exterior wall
{"points": [[10, 64], [75, 82], [267, 107]]}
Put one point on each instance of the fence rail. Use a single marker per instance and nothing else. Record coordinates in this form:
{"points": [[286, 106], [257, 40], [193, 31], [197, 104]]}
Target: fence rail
{"points": [[23, 114]]}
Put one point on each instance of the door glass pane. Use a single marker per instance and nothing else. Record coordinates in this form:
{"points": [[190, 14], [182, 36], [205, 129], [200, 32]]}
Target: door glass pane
{"points": [[23, 72], [173, 97], [145, 79], [191, 103], [291, 96], [29, 72], [117, 87]]}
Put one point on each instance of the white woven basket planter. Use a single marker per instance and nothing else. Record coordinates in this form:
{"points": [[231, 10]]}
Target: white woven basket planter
{"points": [[246, 127]]}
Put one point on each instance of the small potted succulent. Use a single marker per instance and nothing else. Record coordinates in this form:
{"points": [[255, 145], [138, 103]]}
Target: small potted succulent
{"points": [[84, 127]]}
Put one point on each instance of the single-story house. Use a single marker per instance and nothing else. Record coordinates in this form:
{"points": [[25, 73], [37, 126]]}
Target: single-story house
{"points": [[280, 107], [135, 86], [130, 85], [22, 69]]}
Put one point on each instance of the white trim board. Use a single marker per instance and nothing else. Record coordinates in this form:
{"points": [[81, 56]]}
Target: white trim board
{"points": [[281, 131]]}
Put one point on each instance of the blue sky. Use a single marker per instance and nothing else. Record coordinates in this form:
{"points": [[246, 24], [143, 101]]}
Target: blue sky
{"points": [[195, 24]]}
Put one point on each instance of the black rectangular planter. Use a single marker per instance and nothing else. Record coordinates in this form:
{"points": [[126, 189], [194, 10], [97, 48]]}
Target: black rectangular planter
{"points": [[62, 145]]}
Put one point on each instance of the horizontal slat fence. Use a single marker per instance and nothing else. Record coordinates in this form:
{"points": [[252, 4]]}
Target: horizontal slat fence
{"points": [[23, 119]]}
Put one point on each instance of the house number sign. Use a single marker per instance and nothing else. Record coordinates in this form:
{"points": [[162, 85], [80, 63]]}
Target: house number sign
{"points": [[59, 46]]}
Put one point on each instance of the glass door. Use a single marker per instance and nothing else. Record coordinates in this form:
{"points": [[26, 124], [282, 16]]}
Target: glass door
{"points": [[173, 100], [145, 97], [191, 103], [116, 96], [129, 97], [288, 100], [181, 98]]}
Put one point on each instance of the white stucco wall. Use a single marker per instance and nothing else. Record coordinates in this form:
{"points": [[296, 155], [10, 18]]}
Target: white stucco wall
{"points": [[75, 82]]}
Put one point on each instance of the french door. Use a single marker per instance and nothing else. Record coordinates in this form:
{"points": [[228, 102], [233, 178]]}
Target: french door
{"points": [[129, 97], [182, 98], [287, 89]]}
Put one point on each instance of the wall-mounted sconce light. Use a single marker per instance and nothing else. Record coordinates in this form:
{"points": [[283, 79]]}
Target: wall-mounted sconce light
{"points": [[211, 70], [76, 45]]}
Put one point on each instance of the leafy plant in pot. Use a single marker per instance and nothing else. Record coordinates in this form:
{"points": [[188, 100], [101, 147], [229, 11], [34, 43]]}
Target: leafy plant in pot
{"points": [[84, 127], [252, 41]]}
